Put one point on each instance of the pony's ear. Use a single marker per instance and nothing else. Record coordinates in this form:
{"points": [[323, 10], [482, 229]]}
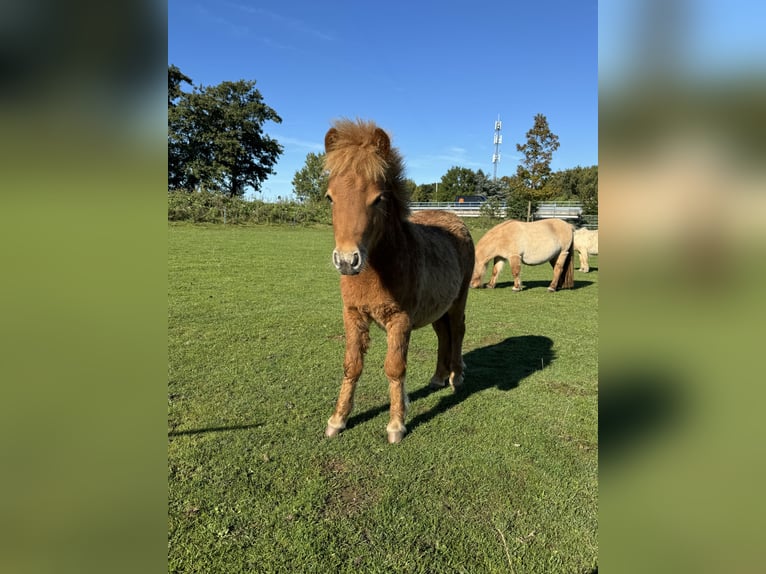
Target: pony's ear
{"points": [[330, 138], [382, 142]]}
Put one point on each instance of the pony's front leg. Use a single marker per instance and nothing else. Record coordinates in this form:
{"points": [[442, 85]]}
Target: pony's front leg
{"points": [[357, 342], [398, 338], [584, 267]]}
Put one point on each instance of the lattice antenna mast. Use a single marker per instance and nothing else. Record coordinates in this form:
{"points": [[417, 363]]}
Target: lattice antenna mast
{"points": [[498, 141]]}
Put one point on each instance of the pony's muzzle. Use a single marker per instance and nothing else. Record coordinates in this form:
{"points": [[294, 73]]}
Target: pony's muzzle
{"points": [[348, 262]]}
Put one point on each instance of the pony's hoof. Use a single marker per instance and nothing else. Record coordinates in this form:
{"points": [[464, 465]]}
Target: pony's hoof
{"points": [[515, 288], [489, 286], [331, 431], [437, 383], [455, 382], [551, 290], [395, 437]]}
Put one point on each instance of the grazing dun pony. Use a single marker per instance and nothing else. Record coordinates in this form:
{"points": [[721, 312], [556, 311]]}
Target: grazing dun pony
{"points": [[402, 273], [531, 243], [585, 243]]}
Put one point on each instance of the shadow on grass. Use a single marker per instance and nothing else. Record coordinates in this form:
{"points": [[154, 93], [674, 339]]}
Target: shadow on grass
{"points": [[526, 285], [502, 365], [213, 429]]}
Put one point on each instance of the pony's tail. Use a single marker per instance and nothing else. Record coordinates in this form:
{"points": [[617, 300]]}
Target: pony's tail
{"points": [[566, 281]]}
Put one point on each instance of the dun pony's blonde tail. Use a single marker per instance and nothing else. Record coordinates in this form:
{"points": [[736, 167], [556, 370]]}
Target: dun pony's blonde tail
{"points": [[567, 277]]}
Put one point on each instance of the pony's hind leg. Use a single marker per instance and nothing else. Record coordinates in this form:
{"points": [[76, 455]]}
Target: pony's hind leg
{"points": [[496, 269], [357, 342], [516, 271], [558, 269], [457, 333], [442, 328]]}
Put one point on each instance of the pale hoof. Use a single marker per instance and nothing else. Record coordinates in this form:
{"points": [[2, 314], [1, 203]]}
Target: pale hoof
{"points": [[332, 431], [514, 288], [551, 290], [396, 436], [455, 382]]}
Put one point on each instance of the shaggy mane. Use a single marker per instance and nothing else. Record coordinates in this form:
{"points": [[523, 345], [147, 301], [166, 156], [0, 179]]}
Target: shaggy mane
{"points": [[355, 151]]}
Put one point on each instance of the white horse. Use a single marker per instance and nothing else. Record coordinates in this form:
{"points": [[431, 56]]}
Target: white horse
{"points": [[585, 243]]}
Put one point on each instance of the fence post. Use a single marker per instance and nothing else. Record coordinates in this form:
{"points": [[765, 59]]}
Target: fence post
{"points": [[529, 211]]}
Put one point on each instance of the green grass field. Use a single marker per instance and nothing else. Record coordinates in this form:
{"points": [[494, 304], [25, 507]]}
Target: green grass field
{"points": [[500, 477]]}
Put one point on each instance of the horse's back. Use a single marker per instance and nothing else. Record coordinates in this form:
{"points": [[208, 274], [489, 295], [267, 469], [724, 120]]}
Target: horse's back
{"points": [[561, 229], [586, 240], [440, 228], [444, 250], [534, 242], [445, 220]]}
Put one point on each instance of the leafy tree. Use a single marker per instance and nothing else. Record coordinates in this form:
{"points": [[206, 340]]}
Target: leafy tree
{"points": [[457, 181], [586, 188], [589, 190], [519, 201], [175, 77], [490, 188], [491, 208], [535, 168], [578, 184], [310, 182], [215, 136], [424, 192], [412, 187]]}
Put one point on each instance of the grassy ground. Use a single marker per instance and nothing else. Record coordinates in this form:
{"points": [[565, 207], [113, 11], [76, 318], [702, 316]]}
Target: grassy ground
{"points": [[501, 477]]}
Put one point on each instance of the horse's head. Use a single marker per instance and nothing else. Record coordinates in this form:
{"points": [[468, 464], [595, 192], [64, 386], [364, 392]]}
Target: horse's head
{"points": [[358, 157], [478, 273]]}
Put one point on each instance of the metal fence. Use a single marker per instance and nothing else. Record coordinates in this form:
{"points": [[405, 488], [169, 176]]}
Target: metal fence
{"points": [[568, 210], [466, 209]]}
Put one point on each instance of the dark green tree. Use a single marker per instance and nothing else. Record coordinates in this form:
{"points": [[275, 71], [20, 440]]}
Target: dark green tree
{"points": [[583, 182], [216, 139], [457, 181], [490, 188], [535, 169], [310, 182], [519, 201], [175, 78], [588, 190], [576, 184], [424, 192], [179, 152], [412, 187]]}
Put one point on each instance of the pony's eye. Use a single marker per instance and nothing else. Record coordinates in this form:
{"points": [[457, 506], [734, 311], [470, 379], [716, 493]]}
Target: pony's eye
{"points": [[378, 199], [328, 197]]}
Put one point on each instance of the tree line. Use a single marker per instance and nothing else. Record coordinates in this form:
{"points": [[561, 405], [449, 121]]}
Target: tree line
{"points": [[217, 143], [533, 182]]}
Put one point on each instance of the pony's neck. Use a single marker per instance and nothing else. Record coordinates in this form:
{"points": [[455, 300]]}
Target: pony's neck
{"points": [[394, 238]]}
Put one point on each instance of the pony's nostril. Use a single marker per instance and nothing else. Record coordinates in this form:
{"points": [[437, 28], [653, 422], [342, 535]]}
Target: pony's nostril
{"points": [[335, 259], [356, 260]]}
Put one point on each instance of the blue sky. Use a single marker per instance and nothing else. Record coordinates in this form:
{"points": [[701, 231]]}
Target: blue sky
{"points": [[435, 75]]}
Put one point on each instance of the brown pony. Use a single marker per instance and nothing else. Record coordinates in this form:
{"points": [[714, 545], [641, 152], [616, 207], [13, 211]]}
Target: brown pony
{"points": [[531, 243], [402, 273]]}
